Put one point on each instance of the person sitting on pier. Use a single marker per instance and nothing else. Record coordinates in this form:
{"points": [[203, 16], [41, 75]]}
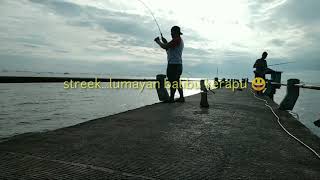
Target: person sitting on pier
{"points": [[174, 50], [262, 67]]}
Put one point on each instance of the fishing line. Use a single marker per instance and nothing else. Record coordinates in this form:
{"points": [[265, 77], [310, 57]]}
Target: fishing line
{"points": [[154, 18], [282, 63]]}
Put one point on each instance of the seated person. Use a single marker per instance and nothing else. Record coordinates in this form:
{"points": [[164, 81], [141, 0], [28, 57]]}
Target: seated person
{"points": [[262, 67]]}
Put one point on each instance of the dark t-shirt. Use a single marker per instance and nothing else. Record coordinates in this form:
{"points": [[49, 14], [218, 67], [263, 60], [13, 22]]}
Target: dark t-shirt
{"points": [[261, 66]]}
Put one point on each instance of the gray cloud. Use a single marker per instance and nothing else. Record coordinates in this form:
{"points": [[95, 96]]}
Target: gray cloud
{"points": [[56, 29], [140, 27], [62, 7], [303, 12], [277, 42]]}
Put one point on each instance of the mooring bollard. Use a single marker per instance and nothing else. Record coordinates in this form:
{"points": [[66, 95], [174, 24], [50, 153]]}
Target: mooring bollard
{"points": [[204, 95], [204, 100], [276, 77], [270, 90], [161, 89], [216, 82], [273, 84], [317, 123], [292, 95], [223, 82], [203, 86]]}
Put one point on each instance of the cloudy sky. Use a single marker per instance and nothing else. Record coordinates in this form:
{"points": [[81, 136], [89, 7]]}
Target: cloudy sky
{"points": [[116, 36]]}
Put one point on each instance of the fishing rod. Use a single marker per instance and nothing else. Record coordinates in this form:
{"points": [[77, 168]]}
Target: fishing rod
{"points": [[282, 63], [154, 18]]}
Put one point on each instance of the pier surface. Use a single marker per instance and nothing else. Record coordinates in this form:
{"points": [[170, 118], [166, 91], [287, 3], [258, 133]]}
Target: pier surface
{"points": [[236, 138]]}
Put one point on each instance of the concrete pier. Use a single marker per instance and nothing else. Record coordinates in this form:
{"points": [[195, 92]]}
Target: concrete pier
{"points": [[237, 137]]}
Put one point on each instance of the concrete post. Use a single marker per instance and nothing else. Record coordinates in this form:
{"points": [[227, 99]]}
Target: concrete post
{"points": [[204, 95], [317, 123], [216, 81], [204, 100], [161, 89], [276, 77], [292, 95], [271, 88], [203, 86], [223, 82]]}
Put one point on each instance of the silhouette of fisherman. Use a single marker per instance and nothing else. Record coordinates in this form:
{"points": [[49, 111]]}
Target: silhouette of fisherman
{"points": [[174, 50], [262, 66]]}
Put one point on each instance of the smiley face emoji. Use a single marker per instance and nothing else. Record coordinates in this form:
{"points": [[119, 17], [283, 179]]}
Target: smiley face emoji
{"points": [[258, 84]]}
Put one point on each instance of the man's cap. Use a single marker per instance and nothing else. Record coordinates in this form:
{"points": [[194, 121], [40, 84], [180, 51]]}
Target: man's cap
{"points": [[176, 29]]}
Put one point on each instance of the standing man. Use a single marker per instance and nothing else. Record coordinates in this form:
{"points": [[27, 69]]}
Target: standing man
{"points": [[174, 56]]}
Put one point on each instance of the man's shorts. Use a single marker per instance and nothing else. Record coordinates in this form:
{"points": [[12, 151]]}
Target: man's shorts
{"points": [[174, 72]]}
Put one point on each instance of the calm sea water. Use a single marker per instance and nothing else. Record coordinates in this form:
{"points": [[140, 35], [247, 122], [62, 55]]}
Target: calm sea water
{"points": [[36, 107]]}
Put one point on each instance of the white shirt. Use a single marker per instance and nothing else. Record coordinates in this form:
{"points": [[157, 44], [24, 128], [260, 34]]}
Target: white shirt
{"points": [[174, 53]]}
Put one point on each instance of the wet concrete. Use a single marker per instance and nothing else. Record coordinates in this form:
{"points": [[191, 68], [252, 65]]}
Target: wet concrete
{"points": [[235, 138]]}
